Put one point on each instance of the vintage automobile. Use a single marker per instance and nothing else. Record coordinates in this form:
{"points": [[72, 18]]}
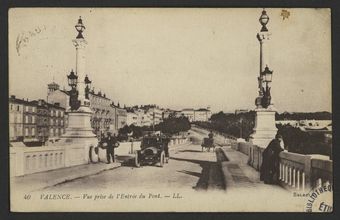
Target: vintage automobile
{"points": [[154, 149], [208, 143]]}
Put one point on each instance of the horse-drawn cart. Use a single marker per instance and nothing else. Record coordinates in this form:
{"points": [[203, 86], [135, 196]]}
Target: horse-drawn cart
{"points": [[208, 143]]}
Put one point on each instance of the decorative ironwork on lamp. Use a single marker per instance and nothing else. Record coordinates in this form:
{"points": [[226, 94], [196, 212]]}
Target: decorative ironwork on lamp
{"points": [[264, 19], [267, 76], [80, 28]]}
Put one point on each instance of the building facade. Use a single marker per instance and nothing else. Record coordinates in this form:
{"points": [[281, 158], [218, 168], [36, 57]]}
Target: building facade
{"points": [[121, 117], [106, 116], [103, 118], [202, 114], [50, 120], [30, 123], [16, 108], [35, 122], [131, 118], [57, 119], [188, 113]]}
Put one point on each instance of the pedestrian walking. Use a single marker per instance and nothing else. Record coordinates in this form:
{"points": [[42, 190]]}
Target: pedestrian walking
{"points": [[270, 161], [111, 143]]}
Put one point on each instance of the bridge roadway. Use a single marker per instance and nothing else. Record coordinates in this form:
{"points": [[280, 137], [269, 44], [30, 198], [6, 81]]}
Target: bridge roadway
{"points": [[195, 174], [188, 168]]}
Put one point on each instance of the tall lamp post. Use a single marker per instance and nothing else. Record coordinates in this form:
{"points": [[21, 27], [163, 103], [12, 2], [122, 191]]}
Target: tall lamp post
{"points": [[79, 132], [265, 128]]}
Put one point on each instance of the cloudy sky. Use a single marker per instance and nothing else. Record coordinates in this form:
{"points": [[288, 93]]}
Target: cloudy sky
{"points": [[176, 58]]}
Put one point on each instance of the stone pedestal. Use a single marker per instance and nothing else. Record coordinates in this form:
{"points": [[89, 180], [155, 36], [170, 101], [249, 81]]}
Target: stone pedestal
{"points": [[78, 137], [265, 128]]}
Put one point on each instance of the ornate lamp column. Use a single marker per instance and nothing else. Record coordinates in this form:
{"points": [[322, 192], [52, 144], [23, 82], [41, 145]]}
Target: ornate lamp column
{"points": [[265, 128], [79, 134]]}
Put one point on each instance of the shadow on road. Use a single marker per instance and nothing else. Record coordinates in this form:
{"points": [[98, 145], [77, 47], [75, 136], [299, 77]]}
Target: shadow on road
{"points": [[126, 161], [191, 151], [203, 181]]}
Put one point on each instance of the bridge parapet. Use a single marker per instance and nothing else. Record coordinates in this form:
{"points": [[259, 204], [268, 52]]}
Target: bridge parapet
{"points": [[297, 172]]}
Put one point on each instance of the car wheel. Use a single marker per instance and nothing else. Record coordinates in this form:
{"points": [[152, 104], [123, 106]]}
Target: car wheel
{"points": [[161, 160], [137, 162]]}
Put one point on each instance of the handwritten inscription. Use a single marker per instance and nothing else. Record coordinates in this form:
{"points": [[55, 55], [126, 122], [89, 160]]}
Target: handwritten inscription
{"points": [[24, 38]]}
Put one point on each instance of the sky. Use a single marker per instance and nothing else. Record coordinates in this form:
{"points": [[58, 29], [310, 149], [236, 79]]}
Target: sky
{"points": [[175, 58]]}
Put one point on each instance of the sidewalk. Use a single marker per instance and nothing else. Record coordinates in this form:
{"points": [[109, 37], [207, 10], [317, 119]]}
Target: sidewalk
{"points": [[36, 181], [238, 174]]}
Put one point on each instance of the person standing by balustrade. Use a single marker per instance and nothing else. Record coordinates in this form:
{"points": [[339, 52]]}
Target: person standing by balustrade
{"points": [[269, 170]]}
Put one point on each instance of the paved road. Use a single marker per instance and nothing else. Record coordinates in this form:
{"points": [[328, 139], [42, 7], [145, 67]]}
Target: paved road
{"points": [[188, 168]]}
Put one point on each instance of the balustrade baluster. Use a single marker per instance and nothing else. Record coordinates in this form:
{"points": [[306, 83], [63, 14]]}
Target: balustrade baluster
{"points": [[60, 158], [319, 182], [56, 159], [298, 179], [294, 173], [34, 161], [40, 161], [45, 160], [290, 176], [28, 162], [286, 174], [303, 181]]}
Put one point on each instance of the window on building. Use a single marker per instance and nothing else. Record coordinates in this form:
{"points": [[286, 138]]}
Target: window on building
{"points": [[26, 119], [11, 107], [51, 121], [26, 108], [62, 114], [51, 132], [26, 131], [62, 122], [18, 108], [33, 131], [33, 119]]}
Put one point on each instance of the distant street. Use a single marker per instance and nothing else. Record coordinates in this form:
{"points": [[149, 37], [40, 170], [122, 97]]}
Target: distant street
{"points": [[188, 168]]}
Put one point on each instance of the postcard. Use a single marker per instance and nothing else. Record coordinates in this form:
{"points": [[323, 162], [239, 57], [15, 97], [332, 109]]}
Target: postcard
{"points": [[170, 110]]}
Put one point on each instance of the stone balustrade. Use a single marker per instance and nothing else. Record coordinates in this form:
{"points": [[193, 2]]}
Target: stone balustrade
{"points": [[28, 160], [177, 141], [296, 171], [25, 160]]}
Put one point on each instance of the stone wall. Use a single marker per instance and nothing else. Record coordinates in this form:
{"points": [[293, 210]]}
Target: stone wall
{"points": [[28, 160], [296, 171]]}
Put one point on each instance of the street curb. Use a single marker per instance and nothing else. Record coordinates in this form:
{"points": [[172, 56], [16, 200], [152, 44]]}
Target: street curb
{"points": [[227, 177], [78, 176], [36, 183]]}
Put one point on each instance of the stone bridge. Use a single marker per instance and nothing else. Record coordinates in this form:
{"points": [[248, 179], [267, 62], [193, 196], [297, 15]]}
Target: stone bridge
{"points": [[298, 172]]}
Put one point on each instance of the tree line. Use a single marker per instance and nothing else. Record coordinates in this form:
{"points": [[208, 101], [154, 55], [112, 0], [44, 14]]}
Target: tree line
{"points": [[170, 126], [298, 141]]}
